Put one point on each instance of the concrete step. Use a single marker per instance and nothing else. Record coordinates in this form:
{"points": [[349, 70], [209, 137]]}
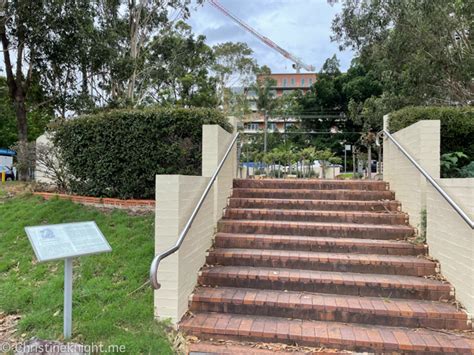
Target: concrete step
{"points": [[288, 194], [307, 260], [370, 338], [319, 205], [317, 229], [342, 283], [316, 216], [316, 184], [318, 244], [327, 307]]}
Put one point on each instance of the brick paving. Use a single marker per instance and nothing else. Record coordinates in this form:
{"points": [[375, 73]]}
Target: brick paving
{"points": [[324, 264]]}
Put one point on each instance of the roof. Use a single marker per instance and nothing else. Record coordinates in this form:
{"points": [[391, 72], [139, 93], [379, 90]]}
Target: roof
{"points": [[7, 152]]}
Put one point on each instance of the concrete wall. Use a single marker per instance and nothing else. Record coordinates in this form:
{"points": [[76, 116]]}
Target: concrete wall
{"points": [[422, 141], [41, 175], [449, 238], [176, 197]]}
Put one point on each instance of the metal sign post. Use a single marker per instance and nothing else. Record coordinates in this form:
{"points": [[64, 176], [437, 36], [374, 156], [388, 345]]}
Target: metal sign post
{"points": [[66, 241], [346, 148], [67, 298]]}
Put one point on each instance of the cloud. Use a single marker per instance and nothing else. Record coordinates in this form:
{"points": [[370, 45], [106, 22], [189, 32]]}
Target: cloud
{"points": [[302, 27]]}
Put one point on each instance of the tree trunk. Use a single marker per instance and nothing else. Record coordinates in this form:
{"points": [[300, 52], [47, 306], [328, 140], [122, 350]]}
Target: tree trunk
{"points": [[265, 130], [17, 89], [369, 162], [22, 124]]}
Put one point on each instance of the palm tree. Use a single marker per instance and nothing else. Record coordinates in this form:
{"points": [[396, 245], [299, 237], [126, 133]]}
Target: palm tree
{"points": [[265, 100]]}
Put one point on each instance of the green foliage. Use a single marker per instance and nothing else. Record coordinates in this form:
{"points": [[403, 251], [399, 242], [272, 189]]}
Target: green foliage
{"points": [[457, 125], [110, 306], [118, 153], [178, 70], [420, 50], [233, 63], [336, 93], [467, 171], [453, 165], [37, 118]]}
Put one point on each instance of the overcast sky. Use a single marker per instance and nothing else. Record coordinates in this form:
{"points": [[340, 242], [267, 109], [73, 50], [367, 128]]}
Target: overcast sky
{"points": [[302, 27]]}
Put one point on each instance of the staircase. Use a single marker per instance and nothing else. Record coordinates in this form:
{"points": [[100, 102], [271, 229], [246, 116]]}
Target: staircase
{"points": [[323, 263]]}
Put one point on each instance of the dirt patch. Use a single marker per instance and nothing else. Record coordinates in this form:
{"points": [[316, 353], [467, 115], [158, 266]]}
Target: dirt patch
{"points": [[12, 188], [234, 347], [8, 327]]}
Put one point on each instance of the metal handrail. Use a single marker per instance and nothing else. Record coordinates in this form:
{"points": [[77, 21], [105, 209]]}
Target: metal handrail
{"points": [[432, 181], [157, 259]]}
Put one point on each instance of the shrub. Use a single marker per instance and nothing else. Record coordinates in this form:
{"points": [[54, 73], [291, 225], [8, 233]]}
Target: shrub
{"points": [[457, 125], [118, 153]]}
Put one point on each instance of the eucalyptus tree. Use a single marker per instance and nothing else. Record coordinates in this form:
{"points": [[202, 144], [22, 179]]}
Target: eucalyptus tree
{"points": [[421, 49], [177, 68], [233, 66]]}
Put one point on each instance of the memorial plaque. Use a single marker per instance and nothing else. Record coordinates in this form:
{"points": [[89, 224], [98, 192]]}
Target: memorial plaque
{"points": [[67, 240]]}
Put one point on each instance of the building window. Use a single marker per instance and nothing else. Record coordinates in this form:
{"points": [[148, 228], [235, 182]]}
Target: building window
{"points": [[292, 81], [310, 81], [272, 126], [302, 82], [285, 82], [252, 126]]}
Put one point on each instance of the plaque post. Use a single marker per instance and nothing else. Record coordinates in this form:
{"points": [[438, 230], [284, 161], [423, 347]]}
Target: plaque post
{"points": [[67, 298]]}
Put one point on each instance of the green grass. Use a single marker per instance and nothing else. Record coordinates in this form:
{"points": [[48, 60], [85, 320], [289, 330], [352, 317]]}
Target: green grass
{"points": [[105, 308], [346, 176]]}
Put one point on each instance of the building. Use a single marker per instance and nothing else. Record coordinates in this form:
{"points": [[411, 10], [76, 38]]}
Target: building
{"points": [[289, 82], [285, 84]]}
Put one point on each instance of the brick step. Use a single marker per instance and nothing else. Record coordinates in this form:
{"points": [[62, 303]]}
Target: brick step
{"points": [[319, 205], [316, 216], [319, 244], [318, 333], [316, 184], [317, 229], [326, 307], [357, 195], [343, 283], [307, 260]]}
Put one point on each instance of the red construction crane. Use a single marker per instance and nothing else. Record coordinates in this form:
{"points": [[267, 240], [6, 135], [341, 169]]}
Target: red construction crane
{"points": [[298, 63]]}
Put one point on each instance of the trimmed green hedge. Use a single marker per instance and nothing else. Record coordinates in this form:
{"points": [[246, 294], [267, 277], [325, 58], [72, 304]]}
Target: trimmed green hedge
{"points": [[118, 153], [457, 125]]}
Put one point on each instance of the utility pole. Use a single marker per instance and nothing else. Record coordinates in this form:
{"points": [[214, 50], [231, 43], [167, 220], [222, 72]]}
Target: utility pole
{"points": [[353, 162], [345, 160]]}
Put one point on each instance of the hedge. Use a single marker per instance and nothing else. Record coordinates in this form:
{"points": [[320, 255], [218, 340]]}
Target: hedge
{"points": [[457, 125], [118, 153]]}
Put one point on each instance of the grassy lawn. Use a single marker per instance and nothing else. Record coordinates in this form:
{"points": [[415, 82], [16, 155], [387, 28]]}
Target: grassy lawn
{"points": [[346, 176], [107, 307]]}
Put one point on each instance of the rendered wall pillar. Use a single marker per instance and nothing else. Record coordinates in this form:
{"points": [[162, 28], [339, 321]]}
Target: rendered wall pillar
{"points": [[451, 239], [176, 198], [422, 141], [215, 141]]}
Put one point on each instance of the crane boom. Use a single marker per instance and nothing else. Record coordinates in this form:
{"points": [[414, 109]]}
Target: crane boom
{"points": [[298, 63]]}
